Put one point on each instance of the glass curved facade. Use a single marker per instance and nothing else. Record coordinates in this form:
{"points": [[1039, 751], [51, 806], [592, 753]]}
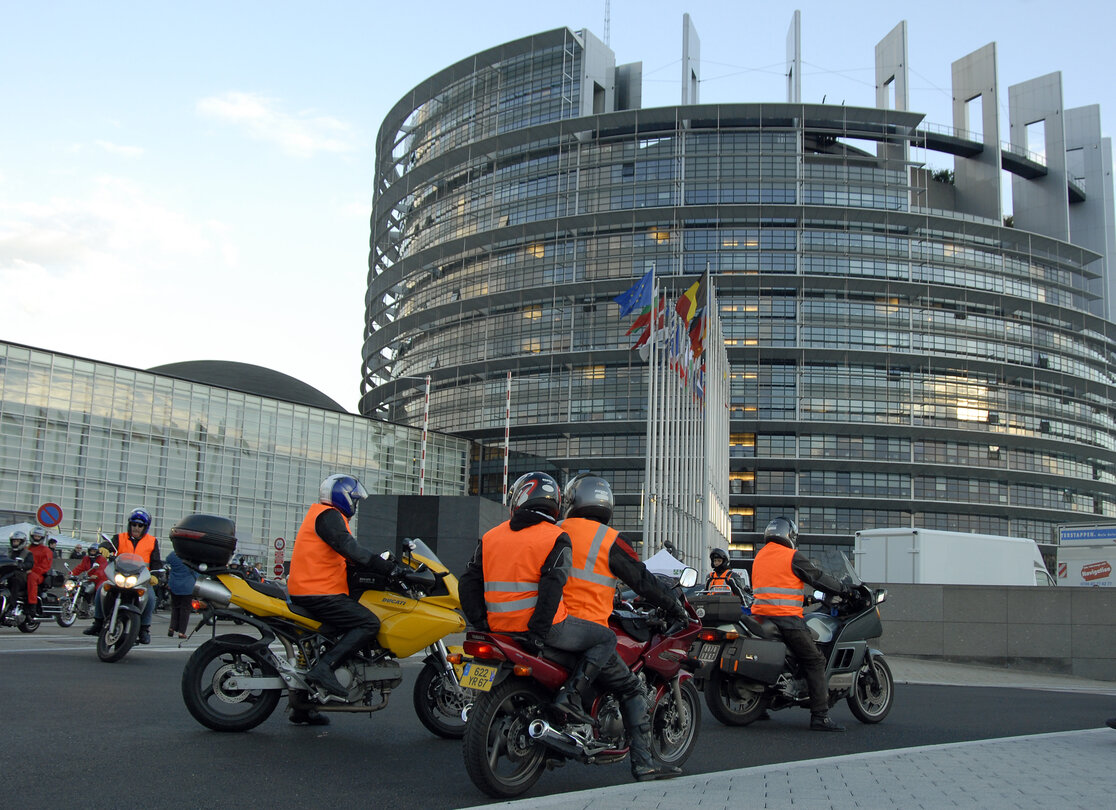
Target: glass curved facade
{"points": [[100, 440], [892, 364]]}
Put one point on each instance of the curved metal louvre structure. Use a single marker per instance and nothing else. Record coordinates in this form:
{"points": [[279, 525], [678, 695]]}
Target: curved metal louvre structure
{"points": [[891, 364]]}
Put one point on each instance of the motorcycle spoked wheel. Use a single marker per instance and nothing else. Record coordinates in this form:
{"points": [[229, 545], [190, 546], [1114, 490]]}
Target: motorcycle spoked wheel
{"points": [[438, 705], [203, 680], [500, 756], [727, 706], [674, 727], [66, 615], [117, 638], [870, 702]]}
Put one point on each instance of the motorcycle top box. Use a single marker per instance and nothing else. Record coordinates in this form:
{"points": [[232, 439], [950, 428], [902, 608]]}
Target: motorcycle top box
{"points": [[715, 608], [205, 539]]}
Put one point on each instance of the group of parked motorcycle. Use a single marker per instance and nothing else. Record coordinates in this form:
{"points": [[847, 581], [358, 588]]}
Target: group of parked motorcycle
{"points": [[492, 692]]}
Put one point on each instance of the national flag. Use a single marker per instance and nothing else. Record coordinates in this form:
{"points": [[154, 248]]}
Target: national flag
{"points": [[645, 316], [638, 296], [691, 301], [697, 334]]}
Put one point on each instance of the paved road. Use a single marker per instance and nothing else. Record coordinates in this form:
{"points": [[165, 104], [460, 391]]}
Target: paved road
{"points": [[91, 717]]}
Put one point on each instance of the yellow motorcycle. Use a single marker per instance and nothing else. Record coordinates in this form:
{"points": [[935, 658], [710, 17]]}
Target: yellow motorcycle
{"points": [[234, 681]]}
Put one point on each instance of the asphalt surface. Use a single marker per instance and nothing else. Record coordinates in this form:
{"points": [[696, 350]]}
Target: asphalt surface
{"points": [[101, 735]]}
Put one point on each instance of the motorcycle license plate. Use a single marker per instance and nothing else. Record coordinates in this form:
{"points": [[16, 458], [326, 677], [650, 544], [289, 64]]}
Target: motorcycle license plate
{"points": [[477, 676], [709, 652]]}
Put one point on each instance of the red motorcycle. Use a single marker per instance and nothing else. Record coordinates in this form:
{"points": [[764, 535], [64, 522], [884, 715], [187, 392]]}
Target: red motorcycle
{"points": [[513, 733]]}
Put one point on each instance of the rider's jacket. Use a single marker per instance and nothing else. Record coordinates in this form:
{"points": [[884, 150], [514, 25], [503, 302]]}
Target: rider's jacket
{"points": [[777, 590], [144, 547], [316, 569], [591, 587], [512, 565]]}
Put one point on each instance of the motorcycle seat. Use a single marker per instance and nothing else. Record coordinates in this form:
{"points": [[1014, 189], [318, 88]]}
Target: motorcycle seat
{"points": [[759, 627], [269, 589]]}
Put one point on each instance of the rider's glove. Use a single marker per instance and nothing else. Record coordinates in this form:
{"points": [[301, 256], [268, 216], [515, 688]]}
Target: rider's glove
{"points": [[398, 572], [154, 581], [535, 642], [679, 614]]}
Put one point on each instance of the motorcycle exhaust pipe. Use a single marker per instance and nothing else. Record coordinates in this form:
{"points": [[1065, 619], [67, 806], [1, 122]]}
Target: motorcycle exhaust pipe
{"points": [[543, 732]]}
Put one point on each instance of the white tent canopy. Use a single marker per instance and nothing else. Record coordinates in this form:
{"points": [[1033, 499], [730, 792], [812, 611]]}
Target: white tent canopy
{"points": [[663, 562]]}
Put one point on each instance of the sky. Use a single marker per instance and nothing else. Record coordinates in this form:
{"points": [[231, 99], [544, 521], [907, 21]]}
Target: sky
{"points": [[193, 181]]}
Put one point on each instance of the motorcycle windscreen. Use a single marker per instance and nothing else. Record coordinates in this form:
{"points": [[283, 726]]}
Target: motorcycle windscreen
{"points": [[129, 565]]}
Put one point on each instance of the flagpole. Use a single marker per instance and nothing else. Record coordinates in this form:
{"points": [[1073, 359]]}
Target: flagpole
{"points": [[649, 471]]}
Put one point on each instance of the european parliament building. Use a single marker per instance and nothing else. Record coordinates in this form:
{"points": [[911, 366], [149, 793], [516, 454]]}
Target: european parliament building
{"points": [[221, 438], [902, 354]]}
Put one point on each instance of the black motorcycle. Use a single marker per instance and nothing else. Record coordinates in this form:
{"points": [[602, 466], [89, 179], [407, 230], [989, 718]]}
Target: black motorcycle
{"points": [[746, 669], [14, 613]]}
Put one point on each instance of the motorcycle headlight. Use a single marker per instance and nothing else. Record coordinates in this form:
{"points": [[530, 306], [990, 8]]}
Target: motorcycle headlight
{"points": [[119, 579], [131, 581], [70, 585]]}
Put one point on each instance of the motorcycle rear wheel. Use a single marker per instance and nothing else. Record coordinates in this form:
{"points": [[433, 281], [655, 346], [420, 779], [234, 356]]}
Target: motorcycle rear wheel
{"points": [[727, 706], [870, 702], [500, 757], [66, 616], [29, 625], [116, 639], [674, 728], [204, 694], [438, 705]]}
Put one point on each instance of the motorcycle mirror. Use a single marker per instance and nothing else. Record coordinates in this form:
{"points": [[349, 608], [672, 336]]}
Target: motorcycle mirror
{"points": [[409, 544], [820, 596], [385, 555], [881, 595], [688, 578]]}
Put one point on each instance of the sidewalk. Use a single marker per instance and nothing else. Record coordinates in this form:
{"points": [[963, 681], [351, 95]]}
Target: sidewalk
{"points": [[1063, 769]]}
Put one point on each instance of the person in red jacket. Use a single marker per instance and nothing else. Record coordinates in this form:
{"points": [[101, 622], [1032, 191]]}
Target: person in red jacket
{"points": [[44, 558], [96, 561]]}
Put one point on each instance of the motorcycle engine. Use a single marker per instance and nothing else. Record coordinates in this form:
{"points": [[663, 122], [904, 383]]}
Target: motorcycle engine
{"points": [[384, 675], [611, 723]]}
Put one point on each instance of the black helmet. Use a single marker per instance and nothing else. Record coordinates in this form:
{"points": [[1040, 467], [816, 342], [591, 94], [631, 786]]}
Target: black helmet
{"points": [[718, 552], [589, 496], [38, 535], [537, 492], [782, 528], [18, 540]]}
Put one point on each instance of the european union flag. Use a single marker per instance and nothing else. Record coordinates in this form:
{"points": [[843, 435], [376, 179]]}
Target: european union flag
{"points": [[638, 296]]}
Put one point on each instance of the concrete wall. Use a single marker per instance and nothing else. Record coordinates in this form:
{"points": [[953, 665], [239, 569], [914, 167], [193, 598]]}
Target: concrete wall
{"points": [[1065, 630]]}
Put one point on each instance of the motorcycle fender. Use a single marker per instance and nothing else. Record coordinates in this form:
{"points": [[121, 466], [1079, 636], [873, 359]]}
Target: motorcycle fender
{"points": [[130, 608], [243, 618]]}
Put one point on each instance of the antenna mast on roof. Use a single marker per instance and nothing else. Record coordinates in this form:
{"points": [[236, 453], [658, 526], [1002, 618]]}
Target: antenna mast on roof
{"points": [[607, 24]]}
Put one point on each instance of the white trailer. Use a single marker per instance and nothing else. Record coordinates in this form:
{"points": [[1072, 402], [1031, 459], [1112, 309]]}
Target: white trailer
{"points": [[1087, 556], [930, 556]]}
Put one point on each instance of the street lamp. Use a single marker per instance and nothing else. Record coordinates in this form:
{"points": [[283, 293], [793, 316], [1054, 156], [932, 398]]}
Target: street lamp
{"points": [[425, 426]]}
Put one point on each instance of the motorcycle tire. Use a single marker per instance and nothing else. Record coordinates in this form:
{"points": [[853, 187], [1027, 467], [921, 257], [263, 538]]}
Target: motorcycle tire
{"points": [[117, 639], [438, 704], [500, 757], [725, 704], [29, 625], [870, 702], [202, 685], [674, 728], [66, 616]]}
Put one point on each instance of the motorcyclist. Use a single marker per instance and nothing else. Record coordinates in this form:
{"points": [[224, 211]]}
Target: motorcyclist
{"points": [[137, 541], [723, 578], [43, 560], [18, 550], [778, 575], [98, 563], [514, 582], [318, 580], [601, 555]]}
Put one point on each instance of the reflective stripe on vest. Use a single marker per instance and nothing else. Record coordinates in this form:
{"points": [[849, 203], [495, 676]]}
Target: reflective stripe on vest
{"points": [[141, 548], [718, 583], [591, 586], [512, 567], [316, 569], [778, 592]]}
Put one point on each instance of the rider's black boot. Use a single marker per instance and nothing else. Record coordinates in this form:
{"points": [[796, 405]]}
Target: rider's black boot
{"points": [[322, 672], [570, 698], [644, 767], [93, 629]]}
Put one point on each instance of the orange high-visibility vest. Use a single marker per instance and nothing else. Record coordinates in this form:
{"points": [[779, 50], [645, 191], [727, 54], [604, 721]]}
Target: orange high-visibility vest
{"points": [[718, 583], [777, 590], [316, 569], [142, 547], [591, 586], [512, 569]]}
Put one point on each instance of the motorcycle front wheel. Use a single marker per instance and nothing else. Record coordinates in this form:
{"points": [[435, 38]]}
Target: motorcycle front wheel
{"points": [[730, 705], [118, 637], [439, 703], [500, 756], [204, 685], [674, 727], [873, 692], [66, 616]]}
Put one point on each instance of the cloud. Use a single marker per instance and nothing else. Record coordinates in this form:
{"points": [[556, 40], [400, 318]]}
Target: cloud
{"points": [[301, 134], [117, 149]]}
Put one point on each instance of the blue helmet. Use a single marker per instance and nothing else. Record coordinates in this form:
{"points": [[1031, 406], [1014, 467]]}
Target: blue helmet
{"points": [[342, 492], [140, 516]]}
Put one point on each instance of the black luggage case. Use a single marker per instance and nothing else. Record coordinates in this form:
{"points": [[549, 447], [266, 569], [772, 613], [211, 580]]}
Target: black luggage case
{"points": [[717, 608], [205, 539], [755, 659]]}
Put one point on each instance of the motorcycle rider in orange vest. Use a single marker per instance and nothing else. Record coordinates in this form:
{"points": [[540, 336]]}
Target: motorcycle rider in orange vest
{"points": [[601, 555], [513, 584], [723, 579], [137, 541], [778, 575], [318, 581]]}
